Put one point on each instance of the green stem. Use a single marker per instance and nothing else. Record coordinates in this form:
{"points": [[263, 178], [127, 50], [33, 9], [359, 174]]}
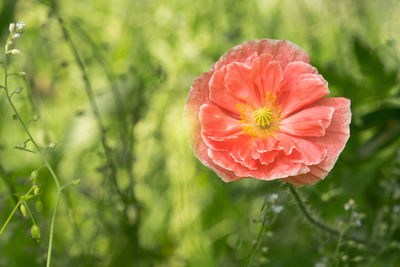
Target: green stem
{"points": [[337, 249], [15, 209], [37, 147], [9, 217], [95, 109], [320, 224], [255, 247], [53, 219], [308, 216], [29, 211]]}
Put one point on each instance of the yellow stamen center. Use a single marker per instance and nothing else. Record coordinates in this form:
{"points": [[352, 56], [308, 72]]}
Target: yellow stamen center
{"points": [[263, 116], [261, 121]]}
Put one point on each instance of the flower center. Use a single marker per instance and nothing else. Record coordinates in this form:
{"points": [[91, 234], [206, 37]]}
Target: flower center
{"points": [[261, 121], [263, 116]]}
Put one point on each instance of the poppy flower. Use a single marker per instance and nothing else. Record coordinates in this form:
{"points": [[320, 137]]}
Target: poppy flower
{"points": [[260, 112]]}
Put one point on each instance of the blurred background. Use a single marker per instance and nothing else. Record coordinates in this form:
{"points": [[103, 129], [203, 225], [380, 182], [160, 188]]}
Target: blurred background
{"points": [[144, 199]]}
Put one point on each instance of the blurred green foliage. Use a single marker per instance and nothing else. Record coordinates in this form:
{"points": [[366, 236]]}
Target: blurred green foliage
{"points": [[164, 208]]}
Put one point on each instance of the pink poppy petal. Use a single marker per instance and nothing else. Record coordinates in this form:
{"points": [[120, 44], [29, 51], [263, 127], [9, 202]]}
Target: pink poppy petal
{"points": [[238, 82], [268, 157], [257, 68], [198, 95], [308, 122], [225, 161], [220, 96], [226, 144], [303, 179], [337, 133], [282, 50], [281, 167], [266, 144], [267, 75], [296, 68], [245, 153], [214, 122], [307, 89], [334, 141], [301, 150]]}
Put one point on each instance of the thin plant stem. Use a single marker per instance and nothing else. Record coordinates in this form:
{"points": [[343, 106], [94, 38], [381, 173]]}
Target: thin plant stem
{"points": [[15, 209], [387, 243], [37, 147], [260, 234], [29, 211], [307, 214], [53, 219], [9, 217], [95, 109], [256, 245], [316, 222], [337, 249]]}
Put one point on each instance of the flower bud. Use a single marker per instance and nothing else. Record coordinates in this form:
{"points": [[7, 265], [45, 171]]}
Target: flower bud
{"points": [[22, 208], [52, 145], [264, 249], [39, 206], [16, 36], [36, 190], [76, 182], [34, 176], [18, 90], [36, 117], [35, 231], [14, 52], [11, 28]]}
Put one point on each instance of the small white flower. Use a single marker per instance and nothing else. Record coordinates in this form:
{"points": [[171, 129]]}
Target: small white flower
{"points": [[273, 197], [20, 25], [350, 204], [277, 208]]}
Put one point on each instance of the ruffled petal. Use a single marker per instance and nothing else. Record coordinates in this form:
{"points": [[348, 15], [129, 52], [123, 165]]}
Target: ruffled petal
{"points": [[220, 96], [217, 124], [225, 161], [239, 84], [337, 133], [267, 75], [245, 154], [333, 142], [301, 150], [268, 157], [266, 144], [282, 50], [308, 122], [198, 95], [281, 167], [302, 86], [218, 130]]}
